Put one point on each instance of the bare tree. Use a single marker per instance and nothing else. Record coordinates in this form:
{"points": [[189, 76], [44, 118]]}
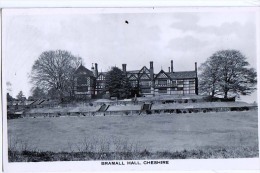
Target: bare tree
{"points": [[227, 71], [54, 70]]}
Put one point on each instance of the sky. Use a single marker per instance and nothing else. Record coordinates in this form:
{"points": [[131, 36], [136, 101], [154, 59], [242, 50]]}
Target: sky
{"points": [[102, 36]]}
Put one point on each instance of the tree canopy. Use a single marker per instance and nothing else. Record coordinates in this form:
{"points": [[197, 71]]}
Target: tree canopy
{"points": [[37, 93], [227, 72], [117, 83], [53, 70]]}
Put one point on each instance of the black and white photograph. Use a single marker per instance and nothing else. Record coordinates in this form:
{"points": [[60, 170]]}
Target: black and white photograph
{"points": [[130, 86]]}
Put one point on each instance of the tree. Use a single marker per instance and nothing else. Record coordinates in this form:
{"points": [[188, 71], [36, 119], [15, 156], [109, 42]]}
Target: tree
{"points": [[117, 83], [20, 96], [54, 70], [227, 71], [209, 77], [37, 93], [9, 86], [9, 97]]}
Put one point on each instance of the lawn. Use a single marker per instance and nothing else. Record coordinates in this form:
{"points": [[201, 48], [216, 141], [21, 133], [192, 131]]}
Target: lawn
{"points": [[155, 133]]}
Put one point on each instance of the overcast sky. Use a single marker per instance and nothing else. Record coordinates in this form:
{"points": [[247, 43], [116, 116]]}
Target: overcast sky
{"points": [[106, 39]]}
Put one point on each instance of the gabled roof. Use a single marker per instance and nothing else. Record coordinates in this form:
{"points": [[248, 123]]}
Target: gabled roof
{"points": [[144, 76], [144, 70], [133, 71], [82, 69], [162, 74], [182, 74], [102, 73], [132, 77]]}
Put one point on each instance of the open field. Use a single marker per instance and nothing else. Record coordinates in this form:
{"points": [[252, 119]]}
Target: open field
{"points": [[168, 132]]}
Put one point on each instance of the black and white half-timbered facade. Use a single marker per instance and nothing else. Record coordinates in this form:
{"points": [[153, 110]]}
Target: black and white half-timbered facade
{"points": [[90, 83]]}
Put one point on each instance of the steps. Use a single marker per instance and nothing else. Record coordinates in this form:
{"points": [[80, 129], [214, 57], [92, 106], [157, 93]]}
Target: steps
{"points": [[103, 108], [146, 108]]}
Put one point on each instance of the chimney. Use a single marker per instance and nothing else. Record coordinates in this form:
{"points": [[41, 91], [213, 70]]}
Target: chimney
{"points": [[152, 77], [151, 70], [96, 70], [196, 68], [124, 68], [151, 64], [171, 65]]}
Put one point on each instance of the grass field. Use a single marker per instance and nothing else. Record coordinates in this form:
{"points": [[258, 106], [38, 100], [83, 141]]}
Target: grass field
{"points": [[155, 133]]}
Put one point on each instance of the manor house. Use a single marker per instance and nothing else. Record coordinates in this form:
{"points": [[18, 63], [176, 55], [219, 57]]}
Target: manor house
{"points": [[91, 83]]}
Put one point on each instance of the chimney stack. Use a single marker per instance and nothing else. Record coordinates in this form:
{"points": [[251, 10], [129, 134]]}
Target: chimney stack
{"points": [[96, 70], [124, 68], [152, 77], [151, 70], [151, 64], [196, 68], [171, 65], [169, 69]]}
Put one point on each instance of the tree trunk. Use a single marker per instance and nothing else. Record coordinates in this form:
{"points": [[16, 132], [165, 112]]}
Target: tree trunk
{"points": [[225, 94], [212, 93]]}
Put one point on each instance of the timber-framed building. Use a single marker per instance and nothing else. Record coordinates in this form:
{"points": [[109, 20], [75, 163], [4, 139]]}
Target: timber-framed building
{"points": [[91, 83]]}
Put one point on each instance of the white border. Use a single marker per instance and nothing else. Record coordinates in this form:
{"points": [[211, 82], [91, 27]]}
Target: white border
{"points": [[188, 164], [128, 3]]}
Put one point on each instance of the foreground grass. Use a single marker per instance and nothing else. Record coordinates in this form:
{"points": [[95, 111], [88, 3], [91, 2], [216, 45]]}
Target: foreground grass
{"points": [[164, 132], [205, 153]]}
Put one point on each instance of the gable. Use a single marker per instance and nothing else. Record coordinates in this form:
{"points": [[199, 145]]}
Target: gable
{"points": [[133, 77], [83, 71], [144, 70], [144, 76], [162, 75], [101, 77]]}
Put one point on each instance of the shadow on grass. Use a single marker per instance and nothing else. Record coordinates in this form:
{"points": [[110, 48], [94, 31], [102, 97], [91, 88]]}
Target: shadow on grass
{"points": [[206, 153]]}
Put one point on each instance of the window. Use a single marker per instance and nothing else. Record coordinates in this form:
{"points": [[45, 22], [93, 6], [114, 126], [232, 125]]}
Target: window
{"points": [[192, 82], [162, 90], [174, 83], [82, 88], [145, 83], [180, 88], [147, 90], [180, 82], [186, 82], [133, 83], [162, 82], [192, 91]]}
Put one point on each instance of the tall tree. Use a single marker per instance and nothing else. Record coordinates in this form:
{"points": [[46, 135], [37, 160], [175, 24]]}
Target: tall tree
{"points": [[231, 74], [117, 83], [54, 70], [209, 77]]}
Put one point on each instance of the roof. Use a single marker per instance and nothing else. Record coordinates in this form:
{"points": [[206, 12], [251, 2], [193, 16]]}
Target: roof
{"points": [[102, 73], [162, 74], [182, 74], [133, 71], [81, 68]]}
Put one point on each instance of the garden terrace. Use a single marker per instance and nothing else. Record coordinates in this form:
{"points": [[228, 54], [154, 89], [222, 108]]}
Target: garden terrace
{"points": [[199, 107]]}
